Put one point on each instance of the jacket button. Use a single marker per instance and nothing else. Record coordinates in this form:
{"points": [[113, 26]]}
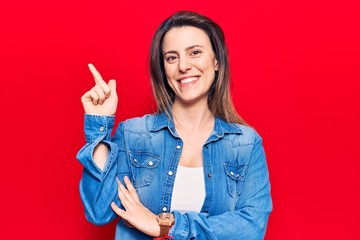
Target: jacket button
{"points": [[209, 175], [170, 173], [178, 147], [151, 163], [164, 209], [232, 173], [101, 129]]}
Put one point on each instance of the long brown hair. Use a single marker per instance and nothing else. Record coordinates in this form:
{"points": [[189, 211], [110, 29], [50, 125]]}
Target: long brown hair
{"points": [[219, 97]]}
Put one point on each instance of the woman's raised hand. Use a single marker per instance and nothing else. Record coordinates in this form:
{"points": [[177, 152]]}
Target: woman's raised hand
{"points": [[102, 98]]}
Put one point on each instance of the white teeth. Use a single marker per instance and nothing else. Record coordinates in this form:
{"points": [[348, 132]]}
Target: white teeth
{"points": [[188, 80]]}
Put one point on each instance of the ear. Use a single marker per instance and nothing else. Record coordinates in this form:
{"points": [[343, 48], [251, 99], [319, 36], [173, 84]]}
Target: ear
{"points": [[216, 65]]}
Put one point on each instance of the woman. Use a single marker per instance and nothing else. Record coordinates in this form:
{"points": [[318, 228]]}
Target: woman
{"points": [[194, 160]]}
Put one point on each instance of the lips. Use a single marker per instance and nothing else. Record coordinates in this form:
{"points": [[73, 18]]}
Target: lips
{"points": [[187, 80]]}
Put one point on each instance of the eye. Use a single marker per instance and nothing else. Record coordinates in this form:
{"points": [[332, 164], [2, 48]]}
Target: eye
{"points": [[170, 59], [195, 52]]}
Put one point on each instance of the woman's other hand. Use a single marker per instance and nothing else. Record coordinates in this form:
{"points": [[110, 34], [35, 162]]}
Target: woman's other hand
{"points": [[102, 98], [135, 213]]}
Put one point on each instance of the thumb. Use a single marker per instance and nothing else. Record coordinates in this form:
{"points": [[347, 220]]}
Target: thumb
{"points": [[112, 86]]}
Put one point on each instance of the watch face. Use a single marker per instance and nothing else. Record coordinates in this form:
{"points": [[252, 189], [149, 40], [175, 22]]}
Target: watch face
{"points": [[166, 216], [166, 219]]}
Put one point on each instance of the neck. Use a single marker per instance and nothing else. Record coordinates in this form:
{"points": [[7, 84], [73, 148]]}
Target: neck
{"points": [[192, 117]]}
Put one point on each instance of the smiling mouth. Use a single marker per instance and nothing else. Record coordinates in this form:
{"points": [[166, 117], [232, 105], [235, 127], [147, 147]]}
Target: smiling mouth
{"points": [[188, 80]]}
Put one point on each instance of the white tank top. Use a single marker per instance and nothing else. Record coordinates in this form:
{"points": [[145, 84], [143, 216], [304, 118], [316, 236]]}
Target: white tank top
{"points": [[189, 189]]}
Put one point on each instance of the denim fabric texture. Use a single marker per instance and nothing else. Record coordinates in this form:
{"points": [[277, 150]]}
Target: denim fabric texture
{"points": [[147, 150]]}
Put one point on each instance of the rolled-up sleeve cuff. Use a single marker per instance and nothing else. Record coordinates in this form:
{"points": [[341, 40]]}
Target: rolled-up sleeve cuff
{"points": [[96, 126], [97, 129], [180, 230]]}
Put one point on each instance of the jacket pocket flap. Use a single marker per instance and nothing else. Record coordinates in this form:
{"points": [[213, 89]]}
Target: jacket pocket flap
{"points": [[144, 159], [235, 172]]}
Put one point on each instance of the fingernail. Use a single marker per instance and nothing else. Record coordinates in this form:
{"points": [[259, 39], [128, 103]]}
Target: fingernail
{"points": [[118, 181], [126, 178]]}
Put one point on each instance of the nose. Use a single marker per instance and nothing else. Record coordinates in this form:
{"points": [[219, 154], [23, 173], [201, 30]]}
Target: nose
{"points": [[184, 64]]}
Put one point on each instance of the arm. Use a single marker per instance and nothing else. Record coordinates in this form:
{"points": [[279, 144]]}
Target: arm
{"points": [[248, 221], [99, 155], [105, 164]]}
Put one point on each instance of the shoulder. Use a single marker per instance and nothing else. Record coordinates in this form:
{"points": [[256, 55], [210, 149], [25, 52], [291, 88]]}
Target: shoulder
{"points": [[244, 135], [139, 124], [248, 131]]}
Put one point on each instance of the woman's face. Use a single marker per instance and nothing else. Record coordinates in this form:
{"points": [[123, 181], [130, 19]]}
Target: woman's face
{"points": [[189, 63]]}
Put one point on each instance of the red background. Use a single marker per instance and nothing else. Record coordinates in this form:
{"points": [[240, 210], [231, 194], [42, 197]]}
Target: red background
{"points": [[295, 66]]}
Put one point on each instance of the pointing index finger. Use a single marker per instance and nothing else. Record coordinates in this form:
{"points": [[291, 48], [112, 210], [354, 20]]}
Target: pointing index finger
{"points": [[95, 73]]}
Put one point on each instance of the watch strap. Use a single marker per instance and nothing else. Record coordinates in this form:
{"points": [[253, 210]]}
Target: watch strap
{"points": [[166, 236], [164, 230]]}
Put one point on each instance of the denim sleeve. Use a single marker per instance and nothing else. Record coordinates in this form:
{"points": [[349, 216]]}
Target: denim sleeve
{"points": [[98, 188], [248, 221]]}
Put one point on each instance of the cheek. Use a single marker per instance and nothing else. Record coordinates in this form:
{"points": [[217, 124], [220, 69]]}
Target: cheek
{"points": [[170, 75], [208, 68], [206, 65], [169, 71]]}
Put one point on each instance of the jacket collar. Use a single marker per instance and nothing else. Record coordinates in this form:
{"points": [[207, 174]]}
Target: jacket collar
{"points": [[162, 121]]}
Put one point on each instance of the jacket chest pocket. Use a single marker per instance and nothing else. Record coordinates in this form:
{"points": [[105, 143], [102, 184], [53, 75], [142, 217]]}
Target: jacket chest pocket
{"points": [[143, 167], [234, 178]]}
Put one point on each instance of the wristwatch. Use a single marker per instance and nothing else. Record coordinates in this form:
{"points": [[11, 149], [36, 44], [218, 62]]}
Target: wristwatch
{"points": [[166, 221]]}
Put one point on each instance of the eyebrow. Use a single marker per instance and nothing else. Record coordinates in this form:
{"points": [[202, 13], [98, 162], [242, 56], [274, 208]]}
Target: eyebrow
{"points": [[186, 49]]}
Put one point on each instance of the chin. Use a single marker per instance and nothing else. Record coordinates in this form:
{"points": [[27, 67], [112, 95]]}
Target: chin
{"points": [[192, 100]]}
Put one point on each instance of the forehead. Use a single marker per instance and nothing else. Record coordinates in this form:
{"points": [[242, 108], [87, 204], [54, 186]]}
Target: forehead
{"points": [[179, 38]]}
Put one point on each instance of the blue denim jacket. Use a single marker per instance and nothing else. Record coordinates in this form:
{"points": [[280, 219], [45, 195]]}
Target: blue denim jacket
{"points": [[147, 149]]}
